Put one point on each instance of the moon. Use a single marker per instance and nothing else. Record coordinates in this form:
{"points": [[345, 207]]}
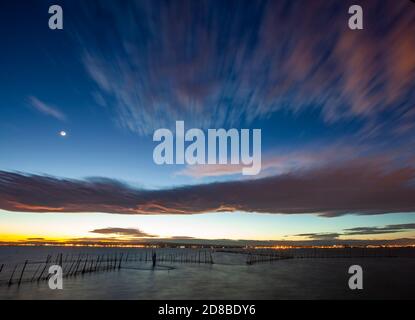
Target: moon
{"points": [[62, 133]]}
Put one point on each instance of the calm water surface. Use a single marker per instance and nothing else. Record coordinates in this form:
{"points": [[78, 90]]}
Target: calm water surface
{"points": [[228, 278]]}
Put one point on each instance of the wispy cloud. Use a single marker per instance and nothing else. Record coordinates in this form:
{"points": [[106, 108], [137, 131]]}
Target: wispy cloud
{"points": [[360, 231], [47, 109], [217, 64], [127, 232], [279, 162], [319, 236], [358, 187], [392, 228]]}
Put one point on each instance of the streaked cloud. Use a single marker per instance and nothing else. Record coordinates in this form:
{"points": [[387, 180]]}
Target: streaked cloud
{"points": [[47, 109], [360, 231], [392, 228], [226, 64], [284, 161], [127, 232], [181, 238], [319, 236]]}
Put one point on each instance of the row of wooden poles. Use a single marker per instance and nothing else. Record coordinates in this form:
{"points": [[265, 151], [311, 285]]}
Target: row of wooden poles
{"points": [[258, 258], [198, 257], [323, 253], [80, 265], [83, 264]]}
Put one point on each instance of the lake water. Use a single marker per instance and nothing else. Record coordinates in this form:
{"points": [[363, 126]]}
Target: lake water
{"points": [[230, 277]]}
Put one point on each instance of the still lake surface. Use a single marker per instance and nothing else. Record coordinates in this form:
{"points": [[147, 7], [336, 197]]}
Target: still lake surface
{"points": [[230, 277]]}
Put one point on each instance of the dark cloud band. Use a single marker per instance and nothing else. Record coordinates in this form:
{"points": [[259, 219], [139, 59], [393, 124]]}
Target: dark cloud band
{"points": [[392, 228], [126, 232], [356, 187]]}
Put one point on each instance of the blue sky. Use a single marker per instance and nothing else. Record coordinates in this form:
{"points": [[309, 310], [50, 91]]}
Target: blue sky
{"points": [[330, 102]]}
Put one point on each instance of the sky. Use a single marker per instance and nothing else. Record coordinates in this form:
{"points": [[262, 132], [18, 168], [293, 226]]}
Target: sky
{"points": [[336, 108]]}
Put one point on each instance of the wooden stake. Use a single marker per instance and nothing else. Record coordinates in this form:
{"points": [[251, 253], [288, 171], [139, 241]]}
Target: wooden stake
{"points": [[119, 265], [34, 275], [86, 261], [44, 268], [11, 278]]}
